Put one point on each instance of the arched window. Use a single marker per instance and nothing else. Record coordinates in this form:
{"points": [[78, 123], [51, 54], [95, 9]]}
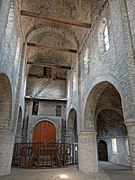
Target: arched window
{"points": [[16, 63], [86, 61], [114, 146], [68, 88], [74, 81], [106, 38], [103, 37]]}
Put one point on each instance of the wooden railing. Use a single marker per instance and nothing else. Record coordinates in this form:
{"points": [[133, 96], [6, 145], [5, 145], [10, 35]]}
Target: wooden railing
{"points": [[43, 155]]}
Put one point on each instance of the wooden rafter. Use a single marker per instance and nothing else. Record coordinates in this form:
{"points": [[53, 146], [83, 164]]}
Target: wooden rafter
{"points": [[57, 20], [51, 48], [48, 65], [41, 76]]}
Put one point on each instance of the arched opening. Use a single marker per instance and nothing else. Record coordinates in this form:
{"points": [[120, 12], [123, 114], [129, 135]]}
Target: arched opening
{"points": [[111, 128], [5, 103], [103, 105], [18, 137], [6, 137], [72, 127], [44, 131], [102, 151]]}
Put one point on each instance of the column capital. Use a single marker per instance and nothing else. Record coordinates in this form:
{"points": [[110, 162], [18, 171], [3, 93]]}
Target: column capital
{"points": [[130, 121], [131, 127], [67, 135], [91, 133]]}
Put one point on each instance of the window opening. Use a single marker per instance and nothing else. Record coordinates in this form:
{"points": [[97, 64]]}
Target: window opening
{"points": [[127, 146], [35, 108], [114, 146], [74, 81], [106, 38], [46, 71], [86, 62]]}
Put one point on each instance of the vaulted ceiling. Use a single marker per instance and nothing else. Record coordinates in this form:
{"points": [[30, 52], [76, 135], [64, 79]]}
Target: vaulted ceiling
{"points": [[51, 41]]}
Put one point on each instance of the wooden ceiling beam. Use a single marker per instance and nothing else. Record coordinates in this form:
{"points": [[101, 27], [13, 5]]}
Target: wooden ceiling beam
{"points": [[51, 48], [57, 20], [41, 76], [48, 65]]}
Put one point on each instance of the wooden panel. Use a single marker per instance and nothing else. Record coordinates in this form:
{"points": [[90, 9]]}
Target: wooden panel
{"points": [[44, 132]]}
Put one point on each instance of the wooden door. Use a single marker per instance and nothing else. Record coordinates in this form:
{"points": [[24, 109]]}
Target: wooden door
{"points": [[44, 132], [102, 151]]}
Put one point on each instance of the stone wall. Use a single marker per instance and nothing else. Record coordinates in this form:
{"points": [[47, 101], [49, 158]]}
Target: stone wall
{"points": [[56, 89], [110, 125], [10, 60], [46, 111], [115, 66]]}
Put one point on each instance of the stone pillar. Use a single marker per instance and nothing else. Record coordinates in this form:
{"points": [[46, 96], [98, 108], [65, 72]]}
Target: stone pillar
{"points": [[68, 139], [87, 152], [6, 152], [18, 138], [131, 137]]}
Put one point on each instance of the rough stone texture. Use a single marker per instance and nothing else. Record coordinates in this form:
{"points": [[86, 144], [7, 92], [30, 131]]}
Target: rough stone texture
{"points": [[131, 136], [106, 81], [71, 136], [87, 152], [47, 111], [10, 57], [53, 90], [110, 171], [6, 151]]}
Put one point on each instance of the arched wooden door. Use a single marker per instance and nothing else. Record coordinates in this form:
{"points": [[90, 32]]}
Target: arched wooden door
{"points": [[44, 131], [102, 151]]}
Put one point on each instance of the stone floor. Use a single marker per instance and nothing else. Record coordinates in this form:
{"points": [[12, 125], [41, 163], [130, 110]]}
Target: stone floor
{"points": [[116, 172], [107, 171]]}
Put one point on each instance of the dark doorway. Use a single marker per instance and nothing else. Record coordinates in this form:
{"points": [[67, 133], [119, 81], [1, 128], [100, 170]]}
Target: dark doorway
{"points": [[102, 151]]}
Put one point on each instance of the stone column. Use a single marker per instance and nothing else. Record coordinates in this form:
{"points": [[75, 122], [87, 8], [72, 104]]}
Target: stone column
{"points": [[18, 138], [131, 137], [6, 152], [87, 152], [68, 138]]}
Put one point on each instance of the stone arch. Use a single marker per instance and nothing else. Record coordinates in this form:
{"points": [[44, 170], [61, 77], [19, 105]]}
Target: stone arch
{"points": [[110, 126], [6, 138], [36, 29], [18, 137], [60, 33], [88, 135], [96, 88], [5, 102], [45, 119], [90, 108], [72, 126]]}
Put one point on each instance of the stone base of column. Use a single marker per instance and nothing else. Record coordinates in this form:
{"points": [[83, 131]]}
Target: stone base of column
{"points": [[87, 152], [6, 152], [18, 139], [68, 139], [131, 137]]}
